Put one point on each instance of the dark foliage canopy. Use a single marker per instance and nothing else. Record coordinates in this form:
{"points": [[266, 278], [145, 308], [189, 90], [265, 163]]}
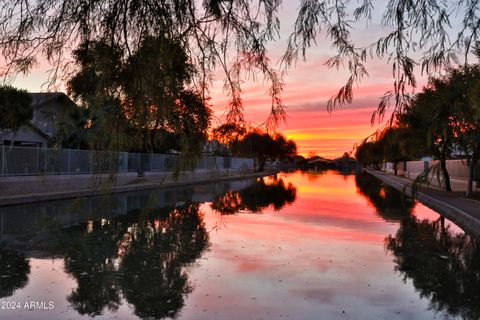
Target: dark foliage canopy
{"points": [[146, 95], [15, 108], [264, 146], [232, 35]]}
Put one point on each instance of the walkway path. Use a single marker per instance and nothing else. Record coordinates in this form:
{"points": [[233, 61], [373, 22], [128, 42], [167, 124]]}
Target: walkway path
{"points": [[455, 206]]}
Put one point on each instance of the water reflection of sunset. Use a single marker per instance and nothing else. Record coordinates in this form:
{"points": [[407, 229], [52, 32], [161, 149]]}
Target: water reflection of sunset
{"points": [[307, 250], [319, 256]]}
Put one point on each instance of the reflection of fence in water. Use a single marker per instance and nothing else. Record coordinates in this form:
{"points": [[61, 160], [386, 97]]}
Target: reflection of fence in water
{"points": [[36, 161]]}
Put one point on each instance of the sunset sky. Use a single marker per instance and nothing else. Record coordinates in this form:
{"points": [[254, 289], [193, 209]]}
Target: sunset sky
{"points": [[309, 85]]}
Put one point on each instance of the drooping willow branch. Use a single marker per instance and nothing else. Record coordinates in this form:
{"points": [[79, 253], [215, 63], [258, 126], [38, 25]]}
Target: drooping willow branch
{"points": [[229, 34], [233, 35], [424, 33]]}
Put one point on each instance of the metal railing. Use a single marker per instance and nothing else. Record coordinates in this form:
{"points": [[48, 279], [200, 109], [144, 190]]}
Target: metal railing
{"points": [[16, 161]]}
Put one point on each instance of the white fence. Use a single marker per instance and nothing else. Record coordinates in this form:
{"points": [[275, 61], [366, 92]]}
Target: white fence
{"points": [[42, 161], [457, 170]]}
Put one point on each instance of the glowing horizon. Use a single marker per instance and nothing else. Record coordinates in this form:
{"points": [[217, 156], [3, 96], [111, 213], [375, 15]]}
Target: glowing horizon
{"points": [[309, 85], [309, 123]]}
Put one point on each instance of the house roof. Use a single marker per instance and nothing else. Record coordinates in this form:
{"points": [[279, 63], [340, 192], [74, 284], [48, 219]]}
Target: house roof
{"points": [[319, 159], [40, 98]]}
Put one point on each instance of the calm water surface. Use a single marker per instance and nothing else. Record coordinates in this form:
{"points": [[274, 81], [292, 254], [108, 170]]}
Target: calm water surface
{"points": [[294, 246]]}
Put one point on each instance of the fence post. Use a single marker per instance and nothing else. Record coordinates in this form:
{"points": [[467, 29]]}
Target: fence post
{"points": [[139, 167], [45, 165], [3, 160], [91, 161], [69, 160], [1, 224], [124, 161]]}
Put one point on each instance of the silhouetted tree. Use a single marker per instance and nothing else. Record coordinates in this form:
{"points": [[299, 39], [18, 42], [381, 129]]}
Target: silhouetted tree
{"points": [[15, 108], [265, 147], [370, 153], [465, 82], [447, 116], [146, 96], [393, 149], [432, 116], [229, 133]]}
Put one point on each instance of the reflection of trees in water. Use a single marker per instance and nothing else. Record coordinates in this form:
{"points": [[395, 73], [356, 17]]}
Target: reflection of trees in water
{"points": [[389, 203], [139, 256], [313, 175], [444, 266], [257, 197], [14, 271], [90, 257], [157, 285]]}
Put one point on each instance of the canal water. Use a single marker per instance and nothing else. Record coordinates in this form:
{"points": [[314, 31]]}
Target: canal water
{"points": [[297, 245]]}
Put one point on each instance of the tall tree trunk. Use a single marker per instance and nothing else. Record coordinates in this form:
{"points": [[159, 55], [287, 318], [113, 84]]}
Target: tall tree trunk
{"points": [[261, 164], [446, 176], [395, 171], [471, 169]]}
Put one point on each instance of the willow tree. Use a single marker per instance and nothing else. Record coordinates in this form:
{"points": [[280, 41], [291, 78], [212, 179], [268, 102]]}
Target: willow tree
{"points": [[392, 142], [447, 116], [233, 35], [15, 108], [431, 116], [370, 153], [264, 146], [145, 97], [228, 133], [472, 136], [466, 83]]}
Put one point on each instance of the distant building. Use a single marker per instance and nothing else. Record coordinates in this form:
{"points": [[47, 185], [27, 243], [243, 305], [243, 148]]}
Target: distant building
{"points": [[49, 110], [214, 147], [318, 162]]}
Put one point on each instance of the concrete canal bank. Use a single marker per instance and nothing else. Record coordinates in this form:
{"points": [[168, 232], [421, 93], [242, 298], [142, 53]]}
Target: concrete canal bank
{"points": [[28, 189], [454, 206]]}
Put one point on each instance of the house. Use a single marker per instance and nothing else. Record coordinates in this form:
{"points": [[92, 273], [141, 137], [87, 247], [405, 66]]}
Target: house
{"points": [[318, 162], [49, 110], [214, 147]]}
